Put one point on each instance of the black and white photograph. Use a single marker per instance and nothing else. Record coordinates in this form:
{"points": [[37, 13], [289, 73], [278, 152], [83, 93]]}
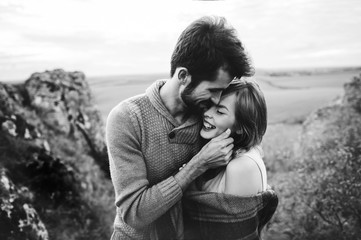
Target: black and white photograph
{"points": [[180, 120]]}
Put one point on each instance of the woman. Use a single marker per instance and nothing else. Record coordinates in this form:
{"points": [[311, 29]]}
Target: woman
{"points": [[233, 202], [243, 110]]}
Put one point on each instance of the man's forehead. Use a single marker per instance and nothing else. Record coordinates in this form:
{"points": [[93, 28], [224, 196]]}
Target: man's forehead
{"points": [[216, 85], [222, 79], [222, 83]]}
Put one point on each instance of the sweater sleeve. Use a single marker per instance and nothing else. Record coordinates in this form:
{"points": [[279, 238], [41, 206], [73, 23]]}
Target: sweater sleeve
{"points": [[139, 204]]}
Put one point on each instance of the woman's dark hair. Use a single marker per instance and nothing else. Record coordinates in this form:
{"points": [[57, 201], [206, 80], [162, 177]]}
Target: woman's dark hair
{"points": [[208, 44], [250, 113]]}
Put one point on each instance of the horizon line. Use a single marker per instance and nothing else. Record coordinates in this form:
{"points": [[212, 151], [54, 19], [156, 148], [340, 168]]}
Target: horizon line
{"points": [[260, 69]]}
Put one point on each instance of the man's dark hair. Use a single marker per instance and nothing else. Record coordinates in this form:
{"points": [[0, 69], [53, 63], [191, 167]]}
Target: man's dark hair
{"points": [[208, 44], [250, 113]]}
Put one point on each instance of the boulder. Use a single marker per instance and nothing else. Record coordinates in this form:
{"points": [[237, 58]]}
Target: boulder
{"points": [[18, 218], [55, 173]]}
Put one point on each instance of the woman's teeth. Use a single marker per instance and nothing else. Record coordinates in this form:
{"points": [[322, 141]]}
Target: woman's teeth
{"points": [[208, 126]]}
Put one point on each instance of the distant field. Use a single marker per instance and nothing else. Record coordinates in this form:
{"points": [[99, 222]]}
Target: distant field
{"points": [[316, 80], [289, 98]]}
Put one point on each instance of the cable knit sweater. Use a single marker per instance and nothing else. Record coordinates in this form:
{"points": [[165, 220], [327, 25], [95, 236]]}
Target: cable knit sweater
{"points": [[146, 146]]}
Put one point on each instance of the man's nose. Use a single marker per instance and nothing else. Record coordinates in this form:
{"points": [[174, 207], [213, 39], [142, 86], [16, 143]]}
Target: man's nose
{"points": [[216, 97]]}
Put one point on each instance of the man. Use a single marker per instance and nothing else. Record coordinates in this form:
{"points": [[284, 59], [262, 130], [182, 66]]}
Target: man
{"points": [[151, 136]]}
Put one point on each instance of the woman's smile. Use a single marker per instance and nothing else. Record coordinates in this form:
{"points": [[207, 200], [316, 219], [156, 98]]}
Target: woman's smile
{"points": [[207, 126], [219, 117]]}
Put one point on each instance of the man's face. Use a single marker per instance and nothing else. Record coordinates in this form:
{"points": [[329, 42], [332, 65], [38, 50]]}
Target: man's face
{"points": [[206, 93]]}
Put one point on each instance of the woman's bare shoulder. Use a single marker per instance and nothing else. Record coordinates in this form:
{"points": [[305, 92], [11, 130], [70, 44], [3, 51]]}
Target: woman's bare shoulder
{"points": [[242, 164], [242, 177]]}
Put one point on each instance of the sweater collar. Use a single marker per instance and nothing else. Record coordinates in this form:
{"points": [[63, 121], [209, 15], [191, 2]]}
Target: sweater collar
{"points": [[153, 93]]}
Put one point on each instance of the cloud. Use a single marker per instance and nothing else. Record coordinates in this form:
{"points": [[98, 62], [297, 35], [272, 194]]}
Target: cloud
{"points": [[6, 57], [8, 8], [99, 36], [79, 40]]}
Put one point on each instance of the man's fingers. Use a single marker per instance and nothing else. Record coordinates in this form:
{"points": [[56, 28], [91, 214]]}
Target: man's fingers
{"points": [[223, 135], [229, 147], [228, 156], [228, 141]]}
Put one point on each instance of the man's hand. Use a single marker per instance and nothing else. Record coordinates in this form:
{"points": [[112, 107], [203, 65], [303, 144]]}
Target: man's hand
{"points": [[216, 152]]}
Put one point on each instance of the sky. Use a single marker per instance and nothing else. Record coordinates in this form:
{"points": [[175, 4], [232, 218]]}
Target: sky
{"points": [[114, 37]]}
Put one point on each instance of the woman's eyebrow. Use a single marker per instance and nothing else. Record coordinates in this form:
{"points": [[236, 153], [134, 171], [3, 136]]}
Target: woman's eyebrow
{"points": [[222, 106]]}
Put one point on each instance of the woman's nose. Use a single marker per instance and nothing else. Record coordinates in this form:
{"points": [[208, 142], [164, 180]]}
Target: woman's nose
{"points": [[208, 113]]}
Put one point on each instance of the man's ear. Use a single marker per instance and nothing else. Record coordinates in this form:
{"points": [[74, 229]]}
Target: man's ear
{"points": [[183, 75]]}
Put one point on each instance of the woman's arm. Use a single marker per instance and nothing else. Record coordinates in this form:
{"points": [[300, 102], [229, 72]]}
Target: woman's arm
{"points": [[243, 177]]}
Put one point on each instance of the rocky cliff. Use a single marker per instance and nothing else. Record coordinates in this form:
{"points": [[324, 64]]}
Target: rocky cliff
{"points": [[336, 120], [53, 161], [329, 190], [321, 190]]}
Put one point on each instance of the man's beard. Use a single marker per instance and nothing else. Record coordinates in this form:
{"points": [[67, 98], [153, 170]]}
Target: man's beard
{"points": [[192, 106]]}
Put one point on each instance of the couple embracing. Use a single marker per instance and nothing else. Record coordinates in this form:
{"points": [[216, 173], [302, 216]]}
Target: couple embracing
{"points": [[185, 157]]}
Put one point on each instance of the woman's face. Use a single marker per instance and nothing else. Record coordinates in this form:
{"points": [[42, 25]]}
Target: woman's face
{"points": [[219, 117]]}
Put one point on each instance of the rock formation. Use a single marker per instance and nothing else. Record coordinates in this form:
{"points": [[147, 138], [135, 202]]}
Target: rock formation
{"points": [[53, 161], [330, 184], [333, 120]]}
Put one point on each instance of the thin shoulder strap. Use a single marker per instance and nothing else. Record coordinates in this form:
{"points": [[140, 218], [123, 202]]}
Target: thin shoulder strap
{"points": [[259, 168]]}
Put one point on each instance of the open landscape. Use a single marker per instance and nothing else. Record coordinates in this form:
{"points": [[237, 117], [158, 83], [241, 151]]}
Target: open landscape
{"points": [[290, 95]]}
